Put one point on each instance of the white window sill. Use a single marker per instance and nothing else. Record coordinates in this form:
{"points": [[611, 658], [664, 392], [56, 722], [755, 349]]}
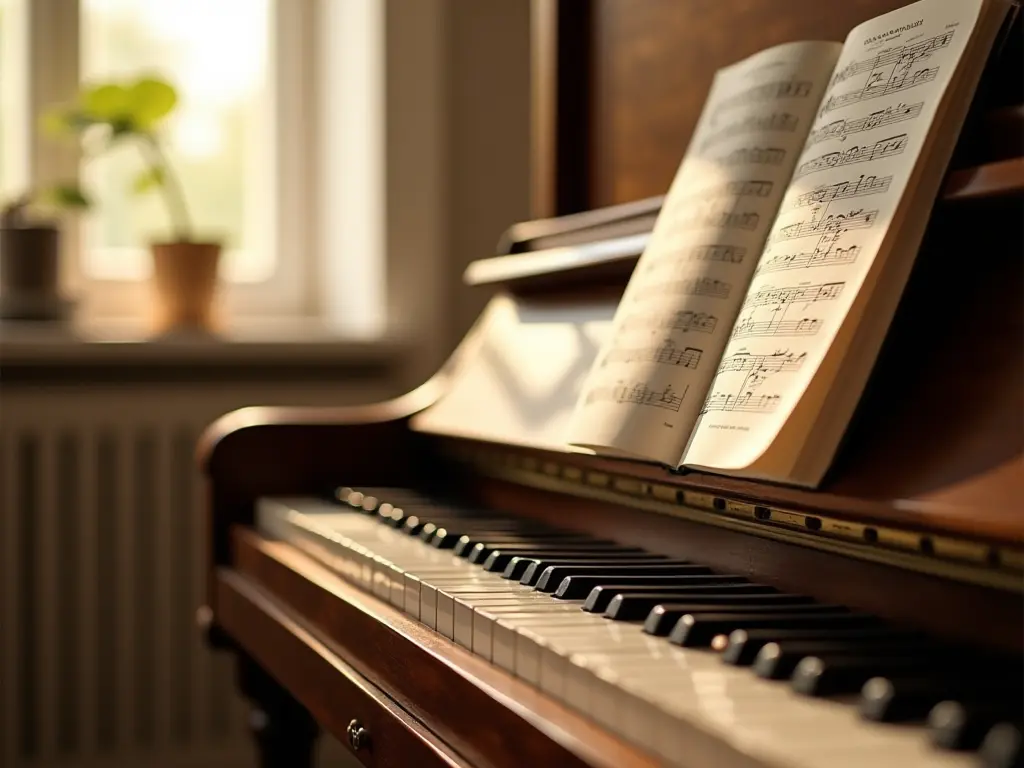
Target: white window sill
{"points": [[279, 342]]}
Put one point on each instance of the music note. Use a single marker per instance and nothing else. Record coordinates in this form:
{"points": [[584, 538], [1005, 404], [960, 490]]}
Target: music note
{"points": [[667, 353], [837, 222], [894, 145], [840, 129], [878, 85], [752, 156], [748, 402], [901, 55], [739, 188], [830, 256], [776, 362], [783, 122], [844, 190], [779, 89], [682, 321], [750, 328], [696, 286], [793, 295], [638, 394]]}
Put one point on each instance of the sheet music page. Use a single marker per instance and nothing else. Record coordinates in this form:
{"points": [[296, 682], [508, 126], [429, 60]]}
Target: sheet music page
{"points": [[854, 168], [644, 394]]}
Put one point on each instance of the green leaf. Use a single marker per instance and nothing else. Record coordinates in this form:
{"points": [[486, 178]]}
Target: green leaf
{"points": [[67, 196], [148, 179], [150, 100], [106, 102], [64, 122]]}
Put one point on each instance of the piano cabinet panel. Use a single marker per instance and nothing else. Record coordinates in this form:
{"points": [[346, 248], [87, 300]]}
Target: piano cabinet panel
{"points": [[280, 659]]}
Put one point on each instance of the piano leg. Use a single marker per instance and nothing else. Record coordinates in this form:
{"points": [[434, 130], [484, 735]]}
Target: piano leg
{"points": [[284, 731]]}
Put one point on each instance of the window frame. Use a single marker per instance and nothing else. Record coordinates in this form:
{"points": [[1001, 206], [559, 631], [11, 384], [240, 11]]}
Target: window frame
{"points": [[408, 209], [55, 25]]}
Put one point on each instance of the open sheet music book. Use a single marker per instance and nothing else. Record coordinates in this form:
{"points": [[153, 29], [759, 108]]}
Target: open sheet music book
{"points": [[749, 327]]}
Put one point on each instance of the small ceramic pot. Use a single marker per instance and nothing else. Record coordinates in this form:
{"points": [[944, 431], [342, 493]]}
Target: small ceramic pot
{"points": [[184, 282]]}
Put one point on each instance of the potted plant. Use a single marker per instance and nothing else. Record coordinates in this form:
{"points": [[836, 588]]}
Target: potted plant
{"points": [[105, 115], [30, 254]]}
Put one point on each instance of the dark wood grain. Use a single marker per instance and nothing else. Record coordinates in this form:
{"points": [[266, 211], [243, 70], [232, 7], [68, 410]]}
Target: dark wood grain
{"points": [[488, 716], [650, 64], [332, 691], [653, 65]]}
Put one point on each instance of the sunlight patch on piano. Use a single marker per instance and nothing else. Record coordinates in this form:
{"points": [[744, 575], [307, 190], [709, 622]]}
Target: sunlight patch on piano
{"points": [[524, 380]]}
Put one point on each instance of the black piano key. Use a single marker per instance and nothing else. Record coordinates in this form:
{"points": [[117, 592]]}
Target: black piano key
{"points": [[518, 567], [513, 565], [744, 644], [1003, 746], [961, 725], [697, 630], [495, 560], [663, 618], [549, 579], [638, 606], [778, 660], [490, 542], [893, 700], [447, 535], [536, 568], [825, 675], [600, 596]]}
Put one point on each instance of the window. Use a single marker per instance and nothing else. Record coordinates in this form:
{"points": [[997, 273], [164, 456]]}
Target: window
{"points": [[276, 139], [220, 141]]}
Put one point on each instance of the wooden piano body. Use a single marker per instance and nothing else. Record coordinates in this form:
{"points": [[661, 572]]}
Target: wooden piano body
{"points": [[921, 519]]}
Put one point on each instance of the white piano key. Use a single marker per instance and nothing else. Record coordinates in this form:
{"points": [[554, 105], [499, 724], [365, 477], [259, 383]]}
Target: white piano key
{"points": [[412, 595], [475, 614], [428, 604], [683, 705]]}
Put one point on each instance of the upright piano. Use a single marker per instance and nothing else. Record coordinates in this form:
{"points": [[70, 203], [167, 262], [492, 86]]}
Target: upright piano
{"points": [[436, 581]]}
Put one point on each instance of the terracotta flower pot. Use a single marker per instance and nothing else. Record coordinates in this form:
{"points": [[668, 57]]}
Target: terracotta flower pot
{"points": [[185, 286]]}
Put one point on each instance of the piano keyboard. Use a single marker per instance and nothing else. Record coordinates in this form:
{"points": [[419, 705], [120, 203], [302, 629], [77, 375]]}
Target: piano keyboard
{"points": [[695, 667]]}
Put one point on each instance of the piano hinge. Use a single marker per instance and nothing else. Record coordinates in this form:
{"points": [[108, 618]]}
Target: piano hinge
{"points": [[945, 555]]}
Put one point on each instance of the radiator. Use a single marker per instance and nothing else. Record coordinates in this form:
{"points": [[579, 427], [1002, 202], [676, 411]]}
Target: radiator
{"points": [[100, 577]]}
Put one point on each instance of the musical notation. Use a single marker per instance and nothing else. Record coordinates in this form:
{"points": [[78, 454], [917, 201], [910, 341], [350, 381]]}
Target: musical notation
{"points": [[749, 328], [739, 188], [725, 254], [748, 402], [894, 145], [904, 55], [782, 122], [794, 295], [836, 222], [639, 394], [819, 257], [684, 322], [877, 86], [696, 286], [776, 89], [778, 362], [666, 353], [843, 190], [753, 156], [745, 220], [840, 129]]}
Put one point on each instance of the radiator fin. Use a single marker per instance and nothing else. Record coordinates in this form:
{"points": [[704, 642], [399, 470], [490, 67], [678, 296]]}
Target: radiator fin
{"points": [[101, 570]]}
